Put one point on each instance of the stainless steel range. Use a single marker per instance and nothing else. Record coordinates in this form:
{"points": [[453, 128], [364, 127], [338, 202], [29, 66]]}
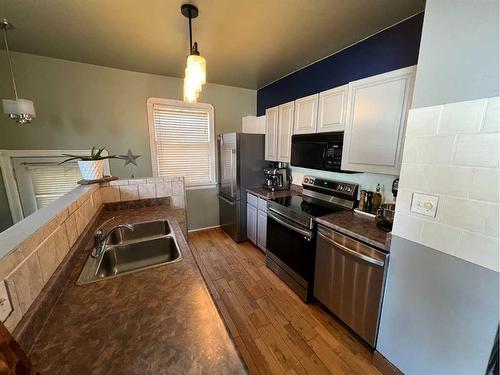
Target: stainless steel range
{"points": [[291, 229]]}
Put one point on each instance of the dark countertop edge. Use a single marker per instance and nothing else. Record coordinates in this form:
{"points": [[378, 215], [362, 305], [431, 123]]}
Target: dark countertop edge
{"points": [[265, 194], [379, 245]]}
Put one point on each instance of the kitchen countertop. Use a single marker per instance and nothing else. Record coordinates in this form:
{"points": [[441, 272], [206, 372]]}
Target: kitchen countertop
{"points": [[160, 320], [357, 226], [268, 194]]}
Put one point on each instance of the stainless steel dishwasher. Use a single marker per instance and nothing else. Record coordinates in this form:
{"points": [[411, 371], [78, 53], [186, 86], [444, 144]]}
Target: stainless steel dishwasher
{"points": [[349, 280]]}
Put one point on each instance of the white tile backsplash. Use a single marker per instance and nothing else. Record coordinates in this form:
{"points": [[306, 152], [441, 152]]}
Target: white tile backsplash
{"points": [[367, 181], [440, 236], [462, 117], [147, 191], [477, 150], [491, 121], [479, 249], [129, 192], [451, 151], [424, 122], [484, 184], [408, 226]]}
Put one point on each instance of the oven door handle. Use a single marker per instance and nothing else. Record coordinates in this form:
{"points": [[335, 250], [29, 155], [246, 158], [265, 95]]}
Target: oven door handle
{"points": [[352, 252], [307, 234]]}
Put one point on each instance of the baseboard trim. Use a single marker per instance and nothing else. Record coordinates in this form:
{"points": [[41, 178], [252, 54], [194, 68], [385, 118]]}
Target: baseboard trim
{"points": [[205, 228], [384, 365]]}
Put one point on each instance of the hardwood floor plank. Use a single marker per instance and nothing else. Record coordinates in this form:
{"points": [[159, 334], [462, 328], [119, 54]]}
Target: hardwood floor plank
{"points": [[334, 363], [275, 332], [279, 349], [247, 357]]}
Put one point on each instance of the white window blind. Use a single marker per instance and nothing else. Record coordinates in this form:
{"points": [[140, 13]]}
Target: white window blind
{"points": [[51, 181], [184, 143]]}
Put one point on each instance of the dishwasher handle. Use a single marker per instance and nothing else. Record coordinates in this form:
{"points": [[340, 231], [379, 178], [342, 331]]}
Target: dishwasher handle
{"points": [[352, 252]]}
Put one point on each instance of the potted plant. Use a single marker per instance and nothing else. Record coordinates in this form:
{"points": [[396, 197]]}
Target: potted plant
{"points": [[92, 166]]}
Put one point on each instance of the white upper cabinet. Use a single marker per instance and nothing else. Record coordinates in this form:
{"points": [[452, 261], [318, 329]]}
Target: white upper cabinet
{"points": [[285, 129], [306, 115], [271, 134], [332, 109], [376, 122]]}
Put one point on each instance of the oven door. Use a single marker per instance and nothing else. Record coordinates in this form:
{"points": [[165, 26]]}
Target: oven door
{"points": [[291, 253]]}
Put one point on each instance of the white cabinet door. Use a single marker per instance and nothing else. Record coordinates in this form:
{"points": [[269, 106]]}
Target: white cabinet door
{"points": [[306, 115], [332, 108], [376, 122], [261, 229], [252, 223], [271, 134], [285, 128]]}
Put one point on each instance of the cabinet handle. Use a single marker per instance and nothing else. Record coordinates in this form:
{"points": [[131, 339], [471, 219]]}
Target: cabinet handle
{"points": [[352, 252]]}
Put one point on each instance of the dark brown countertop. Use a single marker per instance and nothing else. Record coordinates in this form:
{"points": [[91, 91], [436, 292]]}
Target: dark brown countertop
{"points": [[160, 320], [357, 226], [268, 194]]}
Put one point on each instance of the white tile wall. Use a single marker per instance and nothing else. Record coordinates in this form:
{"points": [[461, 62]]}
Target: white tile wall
{"points": [[141, 188], [367, 181], [452, 151]]}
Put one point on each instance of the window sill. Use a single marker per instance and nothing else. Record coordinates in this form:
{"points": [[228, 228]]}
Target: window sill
{"points": [[201, 187]]}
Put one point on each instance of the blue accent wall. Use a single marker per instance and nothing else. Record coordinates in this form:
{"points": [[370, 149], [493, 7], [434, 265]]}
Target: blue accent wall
{"points": [[394, 48]]}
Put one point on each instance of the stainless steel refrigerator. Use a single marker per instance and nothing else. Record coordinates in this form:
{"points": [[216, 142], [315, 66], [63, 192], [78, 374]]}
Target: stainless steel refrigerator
{"points": [[241, 164]]}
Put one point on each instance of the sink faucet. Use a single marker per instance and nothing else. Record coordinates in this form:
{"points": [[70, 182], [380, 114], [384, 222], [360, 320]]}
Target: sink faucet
{"points": [[100, 239]]}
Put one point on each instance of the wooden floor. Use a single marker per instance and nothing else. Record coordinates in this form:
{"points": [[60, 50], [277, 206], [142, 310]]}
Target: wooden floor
{"points": [[273, 329]]}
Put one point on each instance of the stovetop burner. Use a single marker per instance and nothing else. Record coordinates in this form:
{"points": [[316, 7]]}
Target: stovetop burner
{"points": [[319, 198], [307, 205]]}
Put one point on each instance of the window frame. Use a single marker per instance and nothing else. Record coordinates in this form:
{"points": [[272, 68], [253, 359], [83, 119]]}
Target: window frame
{"points": [[151, 102], [9, 179]]}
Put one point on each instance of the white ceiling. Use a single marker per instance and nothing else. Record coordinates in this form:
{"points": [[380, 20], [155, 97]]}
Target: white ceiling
{"points": [[247, 43]]}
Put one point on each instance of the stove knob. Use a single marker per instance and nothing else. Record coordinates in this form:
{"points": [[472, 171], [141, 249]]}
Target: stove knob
{"points": [[341, 188], [348, 189], [306, 180]]}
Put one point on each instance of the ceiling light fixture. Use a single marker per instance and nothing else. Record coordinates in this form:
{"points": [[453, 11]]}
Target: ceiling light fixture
{"points": [[195, 73], [21, 110]]}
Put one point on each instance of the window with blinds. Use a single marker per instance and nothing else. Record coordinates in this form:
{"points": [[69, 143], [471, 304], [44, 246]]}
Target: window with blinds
{"points": [[183, 141], [51, 181]]}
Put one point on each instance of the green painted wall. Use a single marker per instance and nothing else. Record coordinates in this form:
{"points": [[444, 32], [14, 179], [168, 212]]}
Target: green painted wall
{"points": [[80, 105]]}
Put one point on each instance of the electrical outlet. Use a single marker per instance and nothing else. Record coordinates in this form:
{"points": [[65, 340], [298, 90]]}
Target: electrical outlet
{"points": [[424, 204], [5, 305]]}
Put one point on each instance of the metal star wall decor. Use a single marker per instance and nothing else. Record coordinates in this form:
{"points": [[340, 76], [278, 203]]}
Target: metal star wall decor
{"points": [[130, 158]]}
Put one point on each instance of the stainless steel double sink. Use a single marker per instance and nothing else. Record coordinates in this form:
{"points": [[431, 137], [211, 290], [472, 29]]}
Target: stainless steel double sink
{"points": [[150, 244]]}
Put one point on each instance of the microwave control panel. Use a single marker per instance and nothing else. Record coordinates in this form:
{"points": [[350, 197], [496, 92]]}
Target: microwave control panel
{"points": [[333, 158]]}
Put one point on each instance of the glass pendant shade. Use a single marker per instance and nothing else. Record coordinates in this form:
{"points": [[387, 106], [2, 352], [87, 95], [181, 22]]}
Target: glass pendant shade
{"points": [[195, 77], [21, 110]]}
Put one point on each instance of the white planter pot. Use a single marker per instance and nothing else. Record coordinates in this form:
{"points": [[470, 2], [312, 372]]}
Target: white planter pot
{"points": [[91, 169]]}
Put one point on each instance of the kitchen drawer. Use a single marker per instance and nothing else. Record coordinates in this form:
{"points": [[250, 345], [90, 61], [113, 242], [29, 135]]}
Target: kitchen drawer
{"points": [[262, 205], [252, 199]]}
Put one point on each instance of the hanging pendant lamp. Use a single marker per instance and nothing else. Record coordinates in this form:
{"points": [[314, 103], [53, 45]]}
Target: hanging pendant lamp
{"points": [[196, 65], [20, 110]]}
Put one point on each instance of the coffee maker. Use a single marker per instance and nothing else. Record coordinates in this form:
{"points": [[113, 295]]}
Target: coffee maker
{"points": [[278, 177]]}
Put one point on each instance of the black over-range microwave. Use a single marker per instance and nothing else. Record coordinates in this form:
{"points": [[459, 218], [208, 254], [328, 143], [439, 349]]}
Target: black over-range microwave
{"points": [[321, 151]]}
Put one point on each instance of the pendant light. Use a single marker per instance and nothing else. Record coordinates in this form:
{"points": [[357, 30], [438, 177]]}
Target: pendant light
{"points": [[195, 72], [20, 110]]}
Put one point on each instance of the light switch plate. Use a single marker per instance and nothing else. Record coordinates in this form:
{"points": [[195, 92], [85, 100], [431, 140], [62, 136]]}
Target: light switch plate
{"points": [[5, 305], [424, 204]]}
